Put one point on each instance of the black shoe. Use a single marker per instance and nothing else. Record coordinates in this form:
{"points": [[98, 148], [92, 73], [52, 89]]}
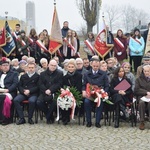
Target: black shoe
{"points": [[89, 124], [21, 121], [116, 124], [6, 122], [97, 125], [30, 121]]}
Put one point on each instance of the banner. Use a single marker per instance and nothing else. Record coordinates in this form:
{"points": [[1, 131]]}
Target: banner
{"points": [[56, 35], [100, 43], [147, 47], [10, 44], [2, 37]]}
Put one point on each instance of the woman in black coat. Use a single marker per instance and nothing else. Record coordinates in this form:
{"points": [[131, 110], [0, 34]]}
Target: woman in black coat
{"points": [[71, 79], [119, 97]]}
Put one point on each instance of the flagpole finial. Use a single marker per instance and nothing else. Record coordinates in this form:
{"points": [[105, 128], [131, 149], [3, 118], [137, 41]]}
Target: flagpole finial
{"points": [[103, 15], [6, 14], [54, 2]]}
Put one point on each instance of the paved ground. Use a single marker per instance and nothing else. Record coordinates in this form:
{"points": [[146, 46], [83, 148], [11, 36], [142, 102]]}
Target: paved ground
{"points": [[73, 137]]}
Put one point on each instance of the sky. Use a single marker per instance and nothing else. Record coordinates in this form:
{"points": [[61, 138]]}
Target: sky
{"points": [[66, 9]]}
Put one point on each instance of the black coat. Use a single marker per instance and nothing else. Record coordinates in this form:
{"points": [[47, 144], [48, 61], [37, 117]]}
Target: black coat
{"points": [[114, 93], [74, 80], [27, 83], [11, 82], [50, 80]]}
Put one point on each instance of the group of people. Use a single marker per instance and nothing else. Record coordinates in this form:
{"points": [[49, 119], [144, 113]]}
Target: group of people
{"points": [[32, 74]]}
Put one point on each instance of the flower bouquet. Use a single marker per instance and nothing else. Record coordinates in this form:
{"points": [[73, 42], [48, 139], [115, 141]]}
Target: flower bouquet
{"points": [[97, 94], [68, 98]]}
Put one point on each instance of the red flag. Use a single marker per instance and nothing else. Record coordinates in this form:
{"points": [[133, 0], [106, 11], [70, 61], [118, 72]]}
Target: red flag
{"points": [[100, 43], [56, 36], [2, 37]]}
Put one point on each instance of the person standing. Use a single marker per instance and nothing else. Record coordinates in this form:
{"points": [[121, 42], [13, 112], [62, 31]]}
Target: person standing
{"points": [[32, 40], [65, 29], [22, 45], [69, 46], [120, 46], [136, 45], [50, 82], [28, 90], [89, 46]]}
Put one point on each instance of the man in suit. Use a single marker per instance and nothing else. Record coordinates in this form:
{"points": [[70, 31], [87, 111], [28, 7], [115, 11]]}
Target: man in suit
{"points": [[28, 90], [50, 82], [98, 78], [8, 90]]}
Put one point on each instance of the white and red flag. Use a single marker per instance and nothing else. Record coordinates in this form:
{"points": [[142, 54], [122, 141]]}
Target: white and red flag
{"points": [[100, 43], [56, 35]]}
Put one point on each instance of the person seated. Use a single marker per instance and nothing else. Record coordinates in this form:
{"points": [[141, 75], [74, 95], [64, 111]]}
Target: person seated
{"points": [[71, 79], [44, 64], [98, 78], [8, 90], [120, 97], [24, 57], [142, 89], [15, 64], [145, 61], [127, 67], [65, 68], [50, 82], [111, 65], [86, 64], [28, 90], [79, 66]]}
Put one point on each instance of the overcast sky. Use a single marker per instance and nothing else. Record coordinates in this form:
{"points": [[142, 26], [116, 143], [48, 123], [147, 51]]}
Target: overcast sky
{"points": [[67, 10]]}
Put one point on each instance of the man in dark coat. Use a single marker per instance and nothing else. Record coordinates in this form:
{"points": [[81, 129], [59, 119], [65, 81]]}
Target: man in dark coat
{"points": [[28, 90], [65, 29], [50, 82], [8, 89], [142, 90], [100, 79]]}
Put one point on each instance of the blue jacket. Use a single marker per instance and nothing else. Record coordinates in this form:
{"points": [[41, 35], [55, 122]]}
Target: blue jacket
{"points": [[100, 79], [136, 47]]}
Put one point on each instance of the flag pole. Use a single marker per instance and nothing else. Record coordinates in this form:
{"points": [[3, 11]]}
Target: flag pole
{"points": [[6, 15], [54, 2]]}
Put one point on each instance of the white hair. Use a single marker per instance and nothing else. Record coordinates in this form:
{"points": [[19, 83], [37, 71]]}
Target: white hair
{"points": [[79, 60], [43, 60]]}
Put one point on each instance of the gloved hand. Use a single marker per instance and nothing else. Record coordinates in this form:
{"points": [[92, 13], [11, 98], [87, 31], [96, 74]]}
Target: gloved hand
{"points": [[119, 53]]}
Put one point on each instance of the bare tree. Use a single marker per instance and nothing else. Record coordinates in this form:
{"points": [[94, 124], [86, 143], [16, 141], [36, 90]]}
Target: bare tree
{"points": [[113, 14], [88, 11]]}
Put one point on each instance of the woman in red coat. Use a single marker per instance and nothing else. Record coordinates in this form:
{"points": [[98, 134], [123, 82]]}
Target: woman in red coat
{"points": [[120, 46]]}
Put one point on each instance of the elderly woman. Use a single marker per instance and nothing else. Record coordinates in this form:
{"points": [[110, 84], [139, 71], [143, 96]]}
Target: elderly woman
{"points": [[142, 90], [44, 64]]}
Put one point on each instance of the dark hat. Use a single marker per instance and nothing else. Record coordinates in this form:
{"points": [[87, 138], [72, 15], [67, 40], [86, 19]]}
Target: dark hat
{"points": [[136, 29], [22, 31], [4, 60]]}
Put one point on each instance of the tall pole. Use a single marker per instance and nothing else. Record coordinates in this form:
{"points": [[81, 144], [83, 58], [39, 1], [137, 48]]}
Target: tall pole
{"points": [[97, 3]]}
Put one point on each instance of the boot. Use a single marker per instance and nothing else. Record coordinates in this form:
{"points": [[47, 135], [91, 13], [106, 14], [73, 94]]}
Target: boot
{"points": [[123, 109], [117, 116]]}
